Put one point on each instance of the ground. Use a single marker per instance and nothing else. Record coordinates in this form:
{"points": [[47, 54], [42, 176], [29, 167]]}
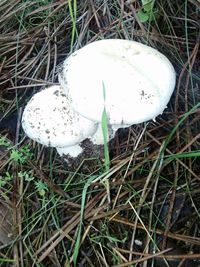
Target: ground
{"points": [[144, 209]]}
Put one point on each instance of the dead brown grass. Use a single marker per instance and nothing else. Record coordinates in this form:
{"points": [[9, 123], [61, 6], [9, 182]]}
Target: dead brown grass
{"points": [[154, 204]]}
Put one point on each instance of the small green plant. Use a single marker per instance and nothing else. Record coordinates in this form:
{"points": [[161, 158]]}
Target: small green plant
{"points": [[16, 156], [21, 155], [147, 11], [26, 175], [4, 141], [41, 187], [4, 180]]}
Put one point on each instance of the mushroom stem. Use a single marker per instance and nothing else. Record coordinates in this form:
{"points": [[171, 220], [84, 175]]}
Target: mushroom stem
{"points": [[72, 151], [97, 137]]}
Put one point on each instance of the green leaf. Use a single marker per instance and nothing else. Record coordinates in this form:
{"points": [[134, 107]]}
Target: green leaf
{"points": [[2, 182], [16, 156], [4, 141], [41, 187], [143, 16], [147, 5]]}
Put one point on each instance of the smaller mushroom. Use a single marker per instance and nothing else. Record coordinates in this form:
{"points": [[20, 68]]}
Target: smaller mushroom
{"points": [[49, 119]]}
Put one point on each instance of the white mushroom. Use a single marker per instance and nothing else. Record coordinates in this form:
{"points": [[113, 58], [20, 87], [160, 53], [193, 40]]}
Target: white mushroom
{"points": [[49, 120], [138, 81]]}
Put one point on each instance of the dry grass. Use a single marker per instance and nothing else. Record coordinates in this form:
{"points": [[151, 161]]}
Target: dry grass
{"points": [[153, 214]]}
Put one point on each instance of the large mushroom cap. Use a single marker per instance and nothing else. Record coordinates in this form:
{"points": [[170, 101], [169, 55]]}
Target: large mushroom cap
{"points": [[49, 120], [138, 81]]}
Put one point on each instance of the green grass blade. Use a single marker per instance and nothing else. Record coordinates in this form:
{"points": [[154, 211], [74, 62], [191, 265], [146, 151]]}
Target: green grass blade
{"points": [[73, 14], [185, 116], [104, 125], [190, 154], [78, 239]]}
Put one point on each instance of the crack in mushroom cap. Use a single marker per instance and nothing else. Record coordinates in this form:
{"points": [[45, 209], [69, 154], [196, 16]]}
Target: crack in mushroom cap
{"points": [[49, 119], [138, 81]]}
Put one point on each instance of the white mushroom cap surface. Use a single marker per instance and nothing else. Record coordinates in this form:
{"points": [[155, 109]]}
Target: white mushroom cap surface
{"points": [[138, 81], [49, 120]]}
